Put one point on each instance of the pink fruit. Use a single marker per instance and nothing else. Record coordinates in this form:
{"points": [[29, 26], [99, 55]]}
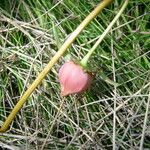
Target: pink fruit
{"points": [[73, 79]]}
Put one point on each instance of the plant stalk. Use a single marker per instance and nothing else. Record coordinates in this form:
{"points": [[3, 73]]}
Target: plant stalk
{"points": [[84, 61]]}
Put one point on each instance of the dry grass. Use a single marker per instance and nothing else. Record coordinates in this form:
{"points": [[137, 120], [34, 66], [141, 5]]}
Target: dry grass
{"points": [[30, 34]]}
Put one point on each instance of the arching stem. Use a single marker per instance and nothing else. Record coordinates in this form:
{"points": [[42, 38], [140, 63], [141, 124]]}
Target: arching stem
{"points": [[51, 63]]}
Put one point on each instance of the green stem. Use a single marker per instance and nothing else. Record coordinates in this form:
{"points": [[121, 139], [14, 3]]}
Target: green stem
{"points": [[88, 55], [51, 63]]}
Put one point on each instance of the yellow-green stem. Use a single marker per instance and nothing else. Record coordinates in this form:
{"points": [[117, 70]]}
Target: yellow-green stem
{"points": [[88, 55], [48, 67]]}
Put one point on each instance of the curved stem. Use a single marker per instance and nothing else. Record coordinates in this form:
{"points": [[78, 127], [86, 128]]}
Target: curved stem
{"points": [[51, 63], [88, 55]]}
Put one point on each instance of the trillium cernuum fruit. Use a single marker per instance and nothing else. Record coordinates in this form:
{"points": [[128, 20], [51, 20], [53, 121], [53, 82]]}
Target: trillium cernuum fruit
{"points": [[73, 78]]}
